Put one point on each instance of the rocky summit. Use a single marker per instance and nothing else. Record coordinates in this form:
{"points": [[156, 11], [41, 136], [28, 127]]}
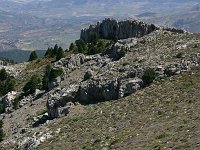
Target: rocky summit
{"points": [[140, 92], [112, 28]]}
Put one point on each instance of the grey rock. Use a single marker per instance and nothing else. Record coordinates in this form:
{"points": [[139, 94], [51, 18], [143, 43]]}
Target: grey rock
{"points": [[55, 82], [40, 119], [111, 28], [59, 102], [33, 142], [129, 86], [99, 90], [8, 100], [71, 63], [38, 92]]}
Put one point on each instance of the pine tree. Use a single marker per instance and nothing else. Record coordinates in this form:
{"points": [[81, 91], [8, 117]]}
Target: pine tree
{"points": [[3, 74], [7, 84], [45, 79], [72, 47], [33, 56], [32, 85], [60, 54], [49, 52], [55, 50]]}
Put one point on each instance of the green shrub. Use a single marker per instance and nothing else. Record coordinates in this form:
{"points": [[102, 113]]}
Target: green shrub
{"points": [[32, 85], [3, 74], [16, 102], [45, 79], [179, 55], [149, 76], [54, 73], [7, 84]]}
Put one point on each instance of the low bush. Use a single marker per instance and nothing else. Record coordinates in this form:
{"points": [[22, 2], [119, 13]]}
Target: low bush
{"points": [[149, 76], [54, 73]]}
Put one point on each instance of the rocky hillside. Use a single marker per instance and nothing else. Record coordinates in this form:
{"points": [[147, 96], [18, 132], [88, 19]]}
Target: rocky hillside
{"points": [[139, 93]]}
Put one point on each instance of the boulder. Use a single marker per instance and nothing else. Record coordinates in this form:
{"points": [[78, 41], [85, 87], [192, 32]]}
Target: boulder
{"points": [[55, 82], [59, 102], [71, 63], [33, 142], [8, 100], [129, 86], [172, 69], [93, 91]]}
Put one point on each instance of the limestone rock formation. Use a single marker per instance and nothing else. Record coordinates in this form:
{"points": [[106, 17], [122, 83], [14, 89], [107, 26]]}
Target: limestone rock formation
{"points": [[71, 63], [59, 102], [111, 28], [114, 29]]}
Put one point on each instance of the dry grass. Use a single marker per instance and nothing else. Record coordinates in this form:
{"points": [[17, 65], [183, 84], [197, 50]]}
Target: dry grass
{"points": [[162, 116]]}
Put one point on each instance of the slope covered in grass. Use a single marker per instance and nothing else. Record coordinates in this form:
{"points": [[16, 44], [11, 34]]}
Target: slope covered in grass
{"points": [[162, 116]]}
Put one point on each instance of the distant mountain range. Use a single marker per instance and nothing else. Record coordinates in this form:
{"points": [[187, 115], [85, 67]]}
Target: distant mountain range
{"points": [[38, 24]]}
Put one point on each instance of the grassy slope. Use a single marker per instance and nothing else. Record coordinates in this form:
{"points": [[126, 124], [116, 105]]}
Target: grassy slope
{"points": [[162, 116]]}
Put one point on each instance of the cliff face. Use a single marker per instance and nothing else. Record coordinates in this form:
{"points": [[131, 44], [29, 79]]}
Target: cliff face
{"points": [[110, 28], [113, 29]]}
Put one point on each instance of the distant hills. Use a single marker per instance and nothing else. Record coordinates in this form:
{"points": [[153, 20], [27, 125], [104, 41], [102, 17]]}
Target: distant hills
{"points": [[19, 55], [39, 24]]}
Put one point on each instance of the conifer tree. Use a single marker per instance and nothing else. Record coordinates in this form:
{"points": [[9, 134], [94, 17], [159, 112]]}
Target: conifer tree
{"points": [[55, 50], [49, 52], [60, 53], [33, 56]]}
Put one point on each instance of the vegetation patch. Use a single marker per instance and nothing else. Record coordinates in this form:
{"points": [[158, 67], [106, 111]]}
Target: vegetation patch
{"points": [[149, 76], [54, 73], [2, 134]]}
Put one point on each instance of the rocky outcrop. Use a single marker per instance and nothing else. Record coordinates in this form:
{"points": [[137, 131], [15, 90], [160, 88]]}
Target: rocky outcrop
{"points": [[100, 87], [59, 102], [114, 29], [30, 143], [8, 101], [55, 82], [129, 86], [14, 70], [93, 91], [90, 91], [71, 62], [111, 28]]}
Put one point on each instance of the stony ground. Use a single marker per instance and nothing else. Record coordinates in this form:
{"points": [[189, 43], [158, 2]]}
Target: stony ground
{"points": [[165, 115], [162, 116]]}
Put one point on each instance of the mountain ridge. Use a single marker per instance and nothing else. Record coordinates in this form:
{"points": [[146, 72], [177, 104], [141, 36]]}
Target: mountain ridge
{"points": [[117, 97]]}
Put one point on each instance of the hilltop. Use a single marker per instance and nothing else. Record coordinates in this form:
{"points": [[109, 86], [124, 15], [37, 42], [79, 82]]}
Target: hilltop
{"points": [[139, 91]]}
